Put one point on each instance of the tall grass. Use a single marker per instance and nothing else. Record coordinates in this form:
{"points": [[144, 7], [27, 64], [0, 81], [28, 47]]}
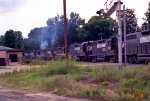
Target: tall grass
{"points": [[35, 62], [61, 67], [106, 73], [63, 77], [110, 73]]}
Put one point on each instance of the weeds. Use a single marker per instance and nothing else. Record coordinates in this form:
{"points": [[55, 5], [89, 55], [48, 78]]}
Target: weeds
{"points": [[63, 77], [60, 67], [106, 74], [78, 77]]}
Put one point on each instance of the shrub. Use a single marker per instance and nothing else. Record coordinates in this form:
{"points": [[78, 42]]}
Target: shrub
{"points": [[106, 74], [131, 83], [89, 93], [106, 83], [60, 67], [27, 62], [129, 73], [86, 69], [78, 77], [38, 62], [60, 82]]}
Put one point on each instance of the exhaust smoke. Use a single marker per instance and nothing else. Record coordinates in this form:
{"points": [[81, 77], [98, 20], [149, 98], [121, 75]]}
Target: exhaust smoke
{"points": [[44, 45]]}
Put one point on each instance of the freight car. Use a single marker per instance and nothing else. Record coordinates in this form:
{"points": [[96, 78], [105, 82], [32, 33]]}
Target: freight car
{"points": [[137, 44]]}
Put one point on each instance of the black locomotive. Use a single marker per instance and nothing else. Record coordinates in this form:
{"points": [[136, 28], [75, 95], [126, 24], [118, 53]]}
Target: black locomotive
{"points": [[137, 48]]}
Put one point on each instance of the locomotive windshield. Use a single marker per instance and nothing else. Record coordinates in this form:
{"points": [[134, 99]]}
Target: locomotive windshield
{"points": [[131, 37], [145, 33], [101, 44]]}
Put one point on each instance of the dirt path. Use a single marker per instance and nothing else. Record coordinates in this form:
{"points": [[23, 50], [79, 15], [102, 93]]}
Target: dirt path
{"points": [[15, 95]]}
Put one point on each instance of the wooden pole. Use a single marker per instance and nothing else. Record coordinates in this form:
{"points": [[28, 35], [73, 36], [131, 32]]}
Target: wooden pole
{"points": [[65, 30]]}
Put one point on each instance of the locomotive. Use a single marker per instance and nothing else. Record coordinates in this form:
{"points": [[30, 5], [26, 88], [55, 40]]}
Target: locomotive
{"points": [[137, 48]]}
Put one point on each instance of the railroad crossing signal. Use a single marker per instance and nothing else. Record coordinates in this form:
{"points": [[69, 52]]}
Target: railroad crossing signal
{"points": [[115, 5]]}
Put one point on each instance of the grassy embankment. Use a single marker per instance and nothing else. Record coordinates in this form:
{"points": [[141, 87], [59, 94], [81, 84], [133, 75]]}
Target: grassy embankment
{"points": [[106, 83]]}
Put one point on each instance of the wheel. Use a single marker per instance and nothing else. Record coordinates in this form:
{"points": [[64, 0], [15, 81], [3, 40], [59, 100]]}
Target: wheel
{"points": [[134, 59], [94, 59], [129, 60], [113, 59]]}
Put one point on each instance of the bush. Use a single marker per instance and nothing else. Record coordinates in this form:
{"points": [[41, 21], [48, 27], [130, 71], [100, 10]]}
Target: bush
{"points": [[60, 67], [89, 93], [56, 84], [131, 83], [129, 73], [106, 74], [106, 83], [27, 62], [87, 69], [78, 77], [38, 62]]}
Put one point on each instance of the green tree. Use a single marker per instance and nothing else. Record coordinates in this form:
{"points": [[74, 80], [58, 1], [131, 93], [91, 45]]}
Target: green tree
{"points": [[53, 33], [13, 39], [147, 15], [131, 21], [34, 39], [98, 27], [19, 40], [1, 39], [74, 23]]}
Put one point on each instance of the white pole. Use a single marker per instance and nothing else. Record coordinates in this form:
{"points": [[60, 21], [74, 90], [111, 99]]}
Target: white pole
{"points": [[119, 34], [125, 32]]}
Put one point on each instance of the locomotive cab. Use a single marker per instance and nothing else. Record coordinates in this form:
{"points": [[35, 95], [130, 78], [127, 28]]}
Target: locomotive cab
{"points": [[112, 50], [114, 45]]}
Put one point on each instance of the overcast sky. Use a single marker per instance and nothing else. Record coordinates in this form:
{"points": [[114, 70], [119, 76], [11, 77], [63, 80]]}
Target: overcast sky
{"points": [[24, 15]]}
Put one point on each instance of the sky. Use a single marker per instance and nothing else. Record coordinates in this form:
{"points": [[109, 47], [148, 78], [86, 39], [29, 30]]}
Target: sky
{"points": [[24, 15]]}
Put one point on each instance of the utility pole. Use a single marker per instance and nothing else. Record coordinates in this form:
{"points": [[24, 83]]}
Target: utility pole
{"points": [[119, 34], [115, 5], [65, 30], [125, 32]]}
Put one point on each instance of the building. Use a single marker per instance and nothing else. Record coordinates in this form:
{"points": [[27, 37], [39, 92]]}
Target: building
{"points": [[10, 56]]}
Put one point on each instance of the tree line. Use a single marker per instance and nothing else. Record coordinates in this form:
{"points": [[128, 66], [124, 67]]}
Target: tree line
{"points": [[51, 36]]}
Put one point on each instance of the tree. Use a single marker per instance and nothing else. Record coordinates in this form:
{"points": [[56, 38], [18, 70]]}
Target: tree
{"points": [[147, 15], [1, 40], [131, 21], [35, 38], [53, 34], [56, 30], [74, 23], [57, 23], [98, 27], [13, 39], [19, 40]]}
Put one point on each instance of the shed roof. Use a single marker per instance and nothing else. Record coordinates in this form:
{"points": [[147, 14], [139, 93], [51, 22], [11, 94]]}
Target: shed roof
{"points": [[3, 48]]}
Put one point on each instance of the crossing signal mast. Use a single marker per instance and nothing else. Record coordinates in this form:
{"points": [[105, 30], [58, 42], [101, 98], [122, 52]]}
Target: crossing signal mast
{"points": [[111, 7]]}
